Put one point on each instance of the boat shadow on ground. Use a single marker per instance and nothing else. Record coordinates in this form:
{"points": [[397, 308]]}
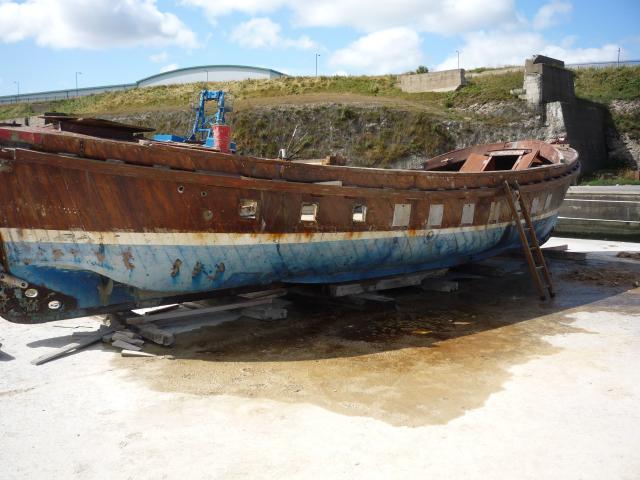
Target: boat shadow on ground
{"points": [[430, 360]]}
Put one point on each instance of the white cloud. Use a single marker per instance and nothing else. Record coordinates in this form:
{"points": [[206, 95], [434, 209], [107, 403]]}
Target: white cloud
{"points": [[168, 68], [264, 33], [438, 16], [392, 50], [218, 8], [159, 57], [92, 25], [502, 47], [551, 13]]}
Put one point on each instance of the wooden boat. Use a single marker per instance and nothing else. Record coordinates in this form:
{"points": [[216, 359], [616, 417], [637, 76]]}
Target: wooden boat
{"points": [[95, 219]]}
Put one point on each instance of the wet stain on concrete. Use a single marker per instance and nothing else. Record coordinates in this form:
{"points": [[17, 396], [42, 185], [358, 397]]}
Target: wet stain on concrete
{"points": [[435, 358]]}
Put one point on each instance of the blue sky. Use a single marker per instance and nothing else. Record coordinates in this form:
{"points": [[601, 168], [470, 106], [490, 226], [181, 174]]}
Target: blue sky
{"points": [[44, 42]]}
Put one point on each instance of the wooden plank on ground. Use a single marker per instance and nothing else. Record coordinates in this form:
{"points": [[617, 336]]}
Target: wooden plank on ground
{"points": [[265, 312], [82, 342], [175, 315]]}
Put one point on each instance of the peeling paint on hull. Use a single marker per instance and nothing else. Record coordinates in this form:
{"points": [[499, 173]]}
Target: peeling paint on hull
{"points": [[81, 273]]}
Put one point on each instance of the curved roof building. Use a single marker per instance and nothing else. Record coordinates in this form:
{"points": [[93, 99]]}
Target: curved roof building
{"points": [[209, 73], [203, 73]]}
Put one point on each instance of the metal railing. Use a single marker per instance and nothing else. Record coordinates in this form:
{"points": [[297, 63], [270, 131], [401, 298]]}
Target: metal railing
{"points": [[63, 94], [625, 63]]}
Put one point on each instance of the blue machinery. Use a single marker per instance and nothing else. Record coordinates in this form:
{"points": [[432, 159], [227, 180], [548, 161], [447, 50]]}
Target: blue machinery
{"points": [[202, 131]]}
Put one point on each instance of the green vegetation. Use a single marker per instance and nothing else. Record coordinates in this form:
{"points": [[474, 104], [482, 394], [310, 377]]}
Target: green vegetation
{"points": [[179, 96], [373, 137], [628, 123], [601, 85], [606, 84], [485, 89], [612, 178]]}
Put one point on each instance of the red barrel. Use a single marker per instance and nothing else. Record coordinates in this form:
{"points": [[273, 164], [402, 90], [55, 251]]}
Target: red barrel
{"points": [[222, 137]]}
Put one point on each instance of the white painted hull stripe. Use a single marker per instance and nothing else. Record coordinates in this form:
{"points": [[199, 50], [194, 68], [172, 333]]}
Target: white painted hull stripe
{"points": [[203, 238]]}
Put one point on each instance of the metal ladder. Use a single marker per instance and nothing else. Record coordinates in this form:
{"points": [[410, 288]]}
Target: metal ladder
{"points": [[532, 252]]}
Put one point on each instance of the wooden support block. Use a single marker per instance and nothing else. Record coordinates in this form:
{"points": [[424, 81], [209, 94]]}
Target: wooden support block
{"points": [[156, 335], [440, 285], [400, 281], [197, 322], [265, 313], [125, 345], [133, 340], [126, 334]]}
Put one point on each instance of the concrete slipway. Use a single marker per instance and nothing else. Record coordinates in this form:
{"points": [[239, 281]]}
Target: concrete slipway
{"points": [[486, 382]]}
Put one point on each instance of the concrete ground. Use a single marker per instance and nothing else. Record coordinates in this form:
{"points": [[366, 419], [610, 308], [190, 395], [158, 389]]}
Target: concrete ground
{"points": [[486, 382]]}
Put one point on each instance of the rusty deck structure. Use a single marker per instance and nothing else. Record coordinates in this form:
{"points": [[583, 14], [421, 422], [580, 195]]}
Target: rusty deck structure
{"points": [[110, 221]]}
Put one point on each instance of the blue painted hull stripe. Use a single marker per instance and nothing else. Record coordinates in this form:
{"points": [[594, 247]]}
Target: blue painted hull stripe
{"points": [[78, 268]]}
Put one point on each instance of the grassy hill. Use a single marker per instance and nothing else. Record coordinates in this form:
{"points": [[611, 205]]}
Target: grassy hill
{"points": [[367, 117], [599, 85]]}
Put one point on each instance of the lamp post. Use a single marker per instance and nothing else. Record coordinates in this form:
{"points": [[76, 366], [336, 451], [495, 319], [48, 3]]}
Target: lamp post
{"points": [[618, 56], [18, 85], [458, 53], [317, 55], [77, 73]]}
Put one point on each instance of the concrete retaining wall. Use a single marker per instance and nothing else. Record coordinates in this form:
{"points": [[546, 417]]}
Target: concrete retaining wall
{"points": [[601, 212], [444, 81], [546, 80], [582, 124]]}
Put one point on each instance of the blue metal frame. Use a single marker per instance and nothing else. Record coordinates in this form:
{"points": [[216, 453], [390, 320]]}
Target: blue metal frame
{"points": [[201, 130], [200, 125]]}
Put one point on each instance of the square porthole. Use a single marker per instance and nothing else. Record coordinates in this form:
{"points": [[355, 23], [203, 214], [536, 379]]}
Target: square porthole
{"points": [[468, 209], [494, 212], [359, 214], [248, 208], [401, 215], [308, 212], [436, 212]]}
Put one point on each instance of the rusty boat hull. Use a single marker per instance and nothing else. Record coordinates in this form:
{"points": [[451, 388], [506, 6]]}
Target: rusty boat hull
{"points": [[96, 225]]}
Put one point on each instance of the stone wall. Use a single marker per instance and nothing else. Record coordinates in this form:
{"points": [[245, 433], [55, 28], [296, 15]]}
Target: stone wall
{"points": [[546, 80], [444, 81]]}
